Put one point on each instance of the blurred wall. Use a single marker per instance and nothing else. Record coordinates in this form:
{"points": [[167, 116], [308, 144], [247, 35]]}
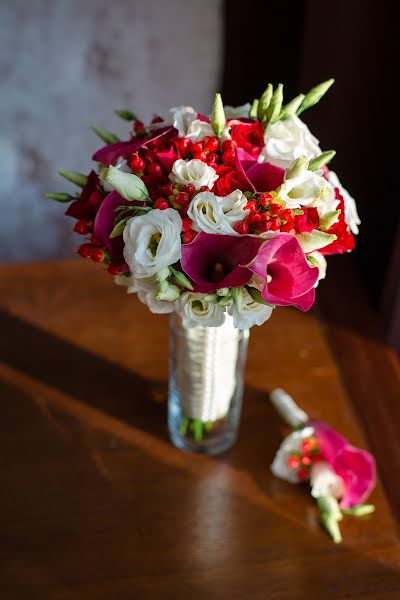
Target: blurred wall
{"points": [[65, 64]]}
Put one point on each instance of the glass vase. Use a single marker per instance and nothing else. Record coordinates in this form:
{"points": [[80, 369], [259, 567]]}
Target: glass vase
{"points": [[206, 385]]}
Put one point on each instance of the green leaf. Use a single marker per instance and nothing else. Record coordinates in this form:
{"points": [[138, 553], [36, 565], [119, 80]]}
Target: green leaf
{"points": [[256, 295], [106, 136], [237, 297], [329, 219], [360, 510], [127, 115], [119, 228], [315, 240], [264, 102], [74, 177], [322, 159], [218, 119], [315, 95], [291, 107], [254, 109], [181, 279], [275, 106], [59, 197]]}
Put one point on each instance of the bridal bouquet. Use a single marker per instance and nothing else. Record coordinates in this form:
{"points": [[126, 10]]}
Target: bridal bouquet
{"points": [[206, 216]]}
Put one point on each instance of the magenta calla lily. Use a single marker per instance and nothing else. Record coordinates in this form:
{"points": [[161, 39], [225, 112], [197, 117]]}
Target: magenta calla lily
{"points": [[355, 466], [289, 279], [104, 224], [108, 155], [227, 253], [263, 177]]}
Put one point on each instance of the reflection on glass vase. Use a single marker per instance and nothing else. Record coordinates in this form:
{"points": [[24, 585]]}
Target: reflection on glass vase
{"points": [[206, 385]]}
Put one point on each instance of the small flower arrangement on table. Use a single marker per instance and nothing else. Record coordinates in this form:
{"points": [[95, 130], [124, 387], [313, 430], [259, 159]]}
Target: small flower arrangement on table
{"points": [[209, 216]]}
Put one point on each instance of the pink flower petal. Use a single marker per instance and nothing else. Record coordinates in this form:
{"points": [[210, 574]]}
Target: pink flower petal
{"points": [[104, 224], [108, 155]]}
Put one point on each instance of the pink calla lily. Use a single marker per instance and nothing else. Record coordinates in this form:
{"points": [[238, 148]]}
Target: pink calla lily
{"points": [[355, 466], [215, 261], [263, 177], [104, 224], [289, 279]]}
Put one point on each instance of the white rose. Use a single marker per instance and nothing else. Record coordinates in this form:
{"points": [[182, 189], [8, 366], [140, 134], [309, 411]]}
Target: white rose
{"points": [[195, 311], [253, 313], [152, 241], [287, 140], [350, 208], [290, 445], [216, 214], [325, 482], [308, 188], [237, 112], [318, 260], [193, 171]]}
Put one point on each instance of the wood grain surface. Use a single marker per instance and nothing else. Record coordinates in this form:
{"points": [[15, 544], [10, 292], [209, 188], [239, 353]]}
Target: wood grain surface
{"points": [[97, 504]]}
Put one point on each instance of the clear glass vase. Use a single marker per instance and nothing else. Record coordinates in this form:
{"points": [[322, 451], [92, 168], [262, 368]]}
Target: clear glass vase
{"points": [[205, 385]]}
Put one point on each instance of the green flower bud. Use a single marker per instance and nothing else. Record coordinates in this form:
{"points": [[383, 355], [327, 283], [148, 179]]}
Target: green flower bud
{"points": [[59, 197], [223, 292], [332, 527], [292, 107], [127, 185], [127, 115], [224, 301], [218, 119], [237, 297], [322, 159], [163, 274], [74, 177], [315, 95], [275, 106], [360, 510], [329, 219], [264, 102], [297, 168], [181, 279], [106, 136], [254, 109], [211, 297], [170, 293], [329, 505]]}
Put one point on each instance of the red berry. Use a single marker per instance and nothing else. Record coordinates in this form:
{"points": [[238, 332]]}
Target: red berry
{"points": [[197, 147], [138, 128], [114, 269], [97, 255], [303, 474], [81, 227], [288, 228], [154, 170], [242, 227], [188, 188], [275, 223], [186, 224], [200, 156], [213, 157], [137, 164], [161, 204], [265, 226], [183, 145], [293, 461], [229, 157], [265, 216], [168, 189], [307, 445], [287, 215], [182, 199], [211, 144], [94, 240], [264, 199], [254, 217], [275, 209], [85, 250], [306, 461], [229, 146], [251, 205]]}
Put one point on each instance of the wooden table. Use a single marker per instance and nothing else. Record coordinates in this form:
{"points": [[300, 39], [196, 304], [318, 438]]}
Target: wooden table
{"points": [[95, 502]]}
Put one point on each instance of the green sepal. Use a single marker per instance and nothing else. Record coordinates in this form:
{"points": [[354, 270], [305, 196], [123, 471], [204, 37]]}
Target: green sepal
{"points": [[74, 177], [322, 159], [59, 197], [127, 115], [106, 136], [218, 119], [315, 95]]}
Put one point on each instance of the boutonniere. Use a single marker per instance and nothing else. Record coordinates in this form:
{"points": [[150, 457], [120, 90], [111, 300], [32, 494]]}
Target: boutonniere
{"points": [[341, 476]]}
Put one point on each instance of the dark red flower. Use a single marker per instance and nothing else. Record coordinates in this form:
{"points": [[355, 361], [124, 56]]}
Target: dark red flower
{"points": [[345, 239], [89, 202], [230, 180], [249, 136]]}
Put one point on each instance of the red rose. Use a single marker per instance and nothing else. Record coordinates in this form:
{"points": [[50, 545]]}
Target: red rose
{"points": [[249, 136], [89, 202], [345, 239], [230, 180]]}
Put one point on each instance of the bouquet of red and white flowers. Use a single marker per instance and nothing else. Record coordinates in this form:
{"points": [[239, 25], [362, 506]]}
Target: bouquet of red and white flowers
{"points": [[207, 216]]}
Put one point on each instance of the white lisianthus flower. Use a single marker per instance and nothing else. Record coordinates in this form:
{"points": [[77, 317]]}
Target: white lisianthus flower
{"points": [[195, 311], [152, 242], [217, 214], [325, 482], [122, 165], [193, 171], [318, 260], [307, 188], [290, 445], [287, 140], [182, 118], [253, 313], [145, 289], [237, 112], [158, 307], [350, 208]]}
